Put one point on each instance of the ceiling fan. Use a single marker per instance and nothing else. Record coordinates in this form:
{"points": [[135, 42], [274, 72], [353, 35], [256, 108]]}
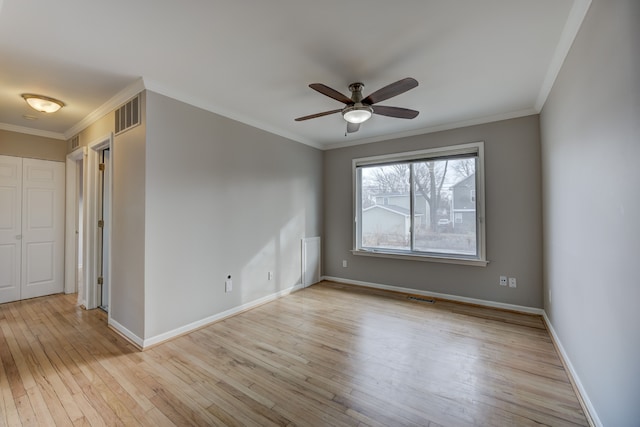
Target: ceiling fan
{"points": [[359, 109]]}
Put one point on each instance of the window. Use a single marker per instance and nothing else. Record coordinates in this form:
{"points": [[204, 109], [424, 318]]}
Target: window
{"points": [[425, 205]]}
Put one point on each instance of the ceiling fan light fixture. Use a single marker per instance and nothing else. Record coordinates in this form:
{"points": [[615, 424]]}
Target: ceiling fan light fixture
{"points": [[43, 104], [357, 113]]}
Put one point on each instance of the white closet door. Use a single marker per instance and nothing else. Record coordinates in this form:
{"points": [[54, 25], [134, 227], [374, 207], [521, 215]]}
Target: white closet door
{"points": [[42, 228], [10, 227]]}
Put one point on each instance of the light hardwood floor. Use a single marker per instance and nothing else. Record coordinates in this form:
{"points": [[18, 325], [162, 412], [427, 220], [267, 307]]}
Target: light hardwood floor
{"points": [[327, 355]]}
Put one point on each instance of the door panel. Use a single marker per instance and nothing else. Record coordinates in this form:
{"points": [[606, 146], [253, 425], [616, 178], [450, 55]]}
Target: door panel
{"points": [[10, 227], [43, 228], [40, 257]]}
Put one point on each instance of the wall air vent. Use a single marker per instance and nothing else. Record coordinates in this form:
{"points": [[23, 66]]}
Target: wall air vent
{"points": [[75, 142], [128, 116]]}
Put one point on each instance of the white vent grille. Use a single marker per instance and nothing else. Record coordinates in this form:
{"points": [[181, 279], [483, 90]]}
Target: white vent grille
{"points": [[75, 142], [128, 116]]}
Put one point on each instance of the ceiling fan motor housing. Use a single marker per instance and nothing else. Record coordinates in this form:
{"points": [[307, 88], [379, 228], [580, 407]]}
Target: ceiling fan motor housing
{"points": [[356, 91], [357, 112]]}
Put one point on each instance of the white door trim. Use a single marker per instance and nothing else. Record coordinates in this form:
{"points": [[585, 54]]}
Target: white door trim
{"points": [[10, 228], [70, 240], [91, 198]]}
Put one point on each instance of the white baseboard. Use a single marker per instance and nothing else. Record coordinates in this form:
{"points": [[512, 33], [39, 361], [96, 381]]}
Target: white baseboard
{"points": [[587, 405], [591, 411], [136, 340], [485, 303], [216, 317]]}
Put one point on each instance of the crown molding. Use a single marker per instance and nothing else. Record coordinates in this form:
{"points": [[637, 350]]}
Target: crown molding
{"points": [[114, 102], [436, 128], [31, 131], [574, 21]]}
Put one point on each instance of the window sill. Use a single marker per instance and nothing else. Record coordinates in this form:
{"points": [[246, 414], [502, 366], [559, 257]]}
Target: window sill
{"points": [[427, 258]]}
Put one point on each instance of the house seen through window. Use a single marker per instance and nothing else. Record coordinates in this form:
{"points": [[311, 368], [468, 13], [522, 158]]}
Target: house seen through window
{"points": [[421, 203]]}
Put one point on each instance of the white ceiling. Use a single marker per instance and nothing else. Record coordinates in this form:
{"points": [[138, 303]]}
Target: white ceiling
{"points": [[252, 60]]}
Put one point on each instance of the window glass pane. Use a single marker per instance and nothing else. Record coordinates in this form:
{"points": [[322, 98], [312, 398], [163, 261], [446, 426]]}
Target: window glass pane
{"points": [[426, 203], [445, 206], [385, 207]]}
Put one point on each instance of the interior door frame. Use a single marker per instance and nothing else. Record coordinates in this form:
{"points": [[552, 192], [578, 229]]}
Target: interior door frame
{"points": [[71, 219], [12, 236], [92, 192]]}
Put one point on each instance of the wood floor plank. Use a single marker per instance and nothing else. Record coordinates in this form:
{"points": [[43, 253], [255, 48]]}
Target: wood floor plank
{"points": [[27, 415], [8, 410], [18, 367], [330, 354], [40, 409], [9, 379], [90, 414]]}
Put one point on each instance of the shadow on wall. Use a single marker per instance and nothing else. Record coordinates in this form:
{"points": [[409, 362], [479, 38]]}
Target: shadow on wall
{"points": [[275, 263]]}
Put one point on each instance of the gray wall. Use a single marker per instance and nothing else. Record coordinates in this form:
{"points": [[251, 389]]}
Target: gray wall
{"points": [[222, 198], [128, 227], [31, 146], [513, 211], [590, 130], [128, 218], [102, 127]]}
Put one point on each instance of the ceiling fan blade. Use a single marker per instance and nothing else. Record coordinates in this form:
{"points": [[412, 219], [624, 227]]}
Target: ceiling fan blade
{"points": [[313, 116], [331, 93], [352, 127], [389, 91], [397, 112]]}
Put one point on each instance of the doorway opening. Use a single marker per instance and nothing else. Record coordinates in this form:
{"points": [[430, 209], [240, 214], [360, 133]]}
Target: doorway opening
{"points": [[75, 244], [88, 266]]}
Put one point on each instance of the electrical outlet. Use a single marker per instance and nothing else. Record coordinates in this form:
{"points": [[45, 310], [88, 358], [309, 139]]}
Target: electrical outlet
{"points": [[228, 284], [344, 262], [503, 280], [512, 282], [270, 275]]}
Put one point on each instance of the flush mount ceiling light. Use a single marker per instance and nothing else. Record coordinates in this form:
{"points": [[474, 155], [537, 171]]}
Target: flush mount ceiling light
{"points": [[43, 104]]}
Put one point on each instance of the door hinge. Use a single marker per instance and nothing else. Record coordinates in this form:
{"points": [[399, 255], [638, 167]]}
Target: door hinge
{"points": [[101, 166], [100, 223], [100, 280]]}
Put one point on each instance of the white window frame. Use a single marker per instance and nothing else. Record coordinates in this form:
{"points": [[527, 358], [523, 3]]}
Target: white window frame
{"points": [[475, 148]]}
